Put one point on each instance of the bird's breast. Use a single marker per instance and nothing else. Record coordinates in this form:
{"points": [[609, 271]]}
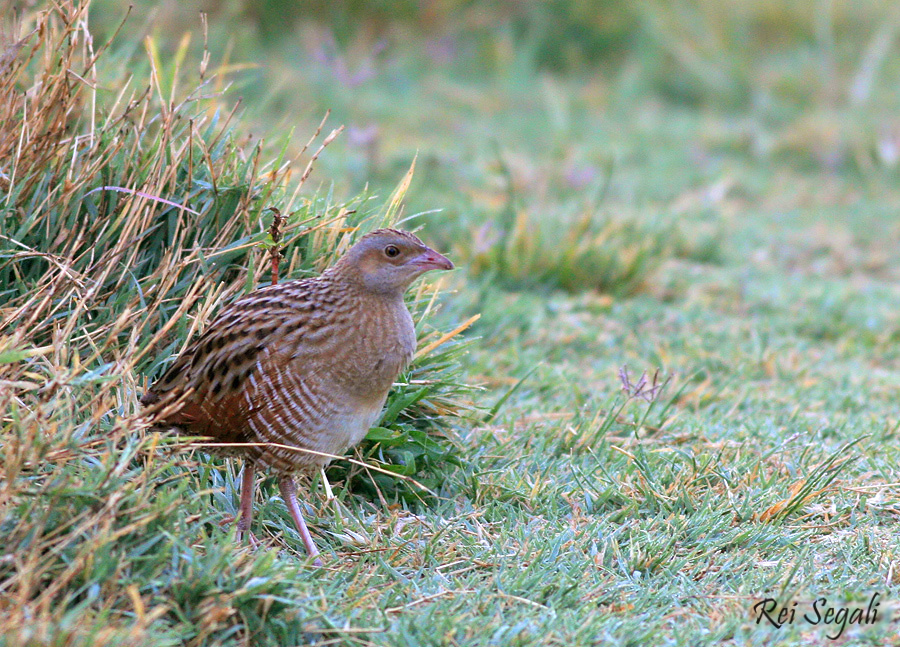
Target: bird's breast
{"points": [[350, 426], [374, 354]]}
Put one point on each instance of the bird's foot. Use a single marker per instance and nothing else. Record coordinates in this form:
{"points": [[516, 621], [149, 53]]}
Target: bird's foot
{"points": [[242, 530]]}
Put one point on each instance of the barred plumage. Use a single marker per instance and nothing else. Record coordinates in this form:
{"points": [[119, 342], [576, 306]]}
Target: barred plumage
{"points": [[305, 364]]}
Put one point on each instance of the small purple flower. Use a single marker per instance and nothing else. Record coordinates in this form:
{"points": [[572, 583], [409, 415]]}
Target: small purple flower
{"points": [[580, 176]]}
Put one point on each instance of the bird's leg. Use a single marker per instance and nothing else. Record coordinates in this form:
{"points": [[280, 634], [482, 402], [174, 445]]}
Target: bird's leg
{"points": [[289, 494], [246, 514]]}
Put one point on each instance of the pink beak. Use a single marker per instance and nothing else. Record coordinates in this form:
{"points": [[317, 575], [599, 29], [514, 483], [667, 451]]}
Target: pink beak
{"points": [[431, 260]]}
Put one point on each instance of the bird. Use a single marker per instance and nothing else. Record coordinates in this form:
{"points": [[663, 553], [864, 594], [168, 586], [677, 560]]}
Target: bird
{"points": [[295, 373]]}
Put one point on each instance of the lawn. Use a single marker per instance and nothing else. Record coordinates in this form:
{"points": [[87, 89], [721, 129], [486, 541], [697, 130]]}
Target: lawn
{"points": [[699, 191]]}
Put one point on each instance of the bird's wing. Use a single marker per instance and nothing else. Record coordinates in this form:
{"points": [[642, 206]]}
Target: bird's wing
{"points": [[218, 364]]}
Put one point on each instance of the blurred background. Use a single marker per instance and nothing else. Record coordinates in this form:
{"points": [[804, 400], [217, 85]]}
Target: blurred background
{"points": [[538, 124]]}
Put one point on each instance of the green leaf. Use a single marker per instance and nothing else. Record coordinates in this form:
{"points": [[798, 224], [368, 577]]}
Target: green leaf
{"points": [[11, 356]]}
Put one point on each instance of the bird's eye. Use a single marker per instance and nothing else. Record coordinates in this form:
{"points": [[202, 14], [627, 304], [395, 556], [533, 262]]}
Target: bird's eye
{"points": [[391, 251]]}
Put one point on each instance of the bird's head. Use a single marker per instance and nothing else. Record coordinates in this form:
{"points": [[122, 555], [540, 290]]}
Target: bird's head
{"points": [[387, 261]]}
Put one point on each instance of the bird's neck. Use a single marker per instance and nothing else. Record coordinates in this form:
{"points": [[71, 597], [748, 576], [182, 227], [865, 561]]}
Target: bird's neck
{"points": [[349, 276]]}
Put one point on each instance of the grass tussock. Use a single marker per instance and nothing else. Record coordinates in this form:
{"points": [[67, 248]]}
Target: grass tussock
{"points": [[130, 209], [611, 254]]}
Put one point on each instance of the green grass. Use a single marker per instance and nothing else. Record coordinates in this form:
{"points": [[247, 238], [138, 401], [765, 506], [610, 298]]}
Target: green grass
{"points": [[735, 148]]}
